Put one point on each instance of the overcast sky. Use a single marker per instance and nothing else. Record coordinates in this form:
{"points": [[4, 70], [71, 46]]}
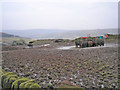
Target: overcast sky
{"points": [[59, 14]]}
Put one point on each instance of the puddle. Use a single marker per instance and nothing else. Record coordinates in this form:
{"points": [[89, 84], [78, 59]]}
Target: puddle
{"points": [[66, 47], [45, 45], [105, 45], [36, 46]]}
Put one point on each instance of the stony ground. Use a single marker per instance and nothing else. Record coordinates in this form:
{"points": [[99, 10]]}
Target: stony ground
{"points": [[51, 67]]}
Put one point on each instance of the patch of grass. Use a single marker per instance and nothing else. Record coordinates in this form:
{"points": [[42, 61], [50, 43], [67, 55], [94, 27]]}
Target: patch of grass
{"points": [[27, 85], [97, 61], [85, 63], [66, 87], [103, 67], [9, 40], [35, 85], [22, 85], [79, 65], [116, 81], [65, 66], [7, 81], [21, 69], [48, 69]]}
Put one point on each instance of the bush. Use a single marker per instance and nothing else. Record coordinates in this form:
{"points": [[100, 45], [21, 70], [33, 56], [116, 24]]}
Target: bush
{"points": [[18, 82], [7, 82], [22, 85], [11, 81]]}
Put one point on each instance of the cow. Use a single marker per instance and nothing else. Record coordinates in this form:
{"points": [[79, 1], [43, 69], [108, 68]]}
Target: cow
{"points": [[89, 43], [84, 44], [99, 42], [92, 43], [77, 43]]}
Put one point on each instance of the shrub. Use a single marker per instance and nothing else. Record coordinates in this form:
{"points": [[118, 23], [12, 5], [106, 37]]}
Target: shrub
{"points": [[5, 76], [11, 81], [27, 85], [18, 82], [7, 82], [22, 85], [35, 85]]}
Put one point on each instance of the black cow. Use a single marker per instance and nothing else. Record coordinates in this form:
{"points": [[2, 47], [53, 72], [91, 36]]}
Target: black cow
{"points": [[92, 43], [84, 44], [77, 43], [99, 42], [81, 44]]}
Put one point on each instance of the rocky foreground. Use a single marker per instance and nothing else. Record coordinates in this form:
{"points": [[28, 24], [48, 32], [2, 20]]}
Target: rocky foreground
{"points": [[87, 68]]}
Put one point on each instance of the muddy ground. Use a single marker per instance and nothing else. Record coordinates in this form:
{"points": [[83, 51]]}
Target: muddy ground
{"points": [[53, 65]]}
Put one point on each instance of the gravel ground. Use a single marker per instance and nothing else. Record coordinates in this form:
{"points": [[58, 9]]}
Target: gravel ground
{"points": [[87, 68]]}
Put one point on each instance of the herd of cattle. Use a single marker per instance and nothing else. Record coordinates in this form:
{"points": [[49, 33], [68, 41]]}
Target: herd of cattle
{"points": [[83, 43], [89, 43]]}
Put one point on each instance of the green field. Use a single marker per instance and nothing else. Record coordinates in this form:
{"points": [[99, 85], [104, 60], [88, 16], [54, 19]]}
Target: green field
{"points": [[9, 40]]}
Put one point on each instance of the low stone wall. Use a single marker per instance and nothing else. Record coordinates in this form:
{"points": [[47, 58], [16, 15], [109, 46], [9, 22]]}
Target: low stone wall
{"points": [[12, 82]]}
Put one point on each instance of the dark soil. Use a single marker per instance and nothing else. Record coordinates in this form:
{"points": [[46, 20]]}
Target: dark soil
{"points": [[50, 66]]}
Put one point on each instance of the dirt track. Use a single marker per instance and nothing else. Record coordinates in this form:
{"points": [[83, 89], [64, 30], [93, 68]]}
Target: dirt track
{"points": [[74, 66]]}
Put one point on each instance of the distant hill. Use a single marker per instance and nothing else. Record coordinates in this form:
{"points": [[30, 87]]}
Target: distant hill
{"points": [[7, 35], [59, 34], [9, 38]]}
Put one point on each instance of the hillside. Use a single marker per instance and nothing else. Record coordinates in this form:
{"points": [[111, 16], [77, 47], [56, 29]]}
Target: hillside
{"points": [[59, 34], [7, 35], [9, 38]]}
